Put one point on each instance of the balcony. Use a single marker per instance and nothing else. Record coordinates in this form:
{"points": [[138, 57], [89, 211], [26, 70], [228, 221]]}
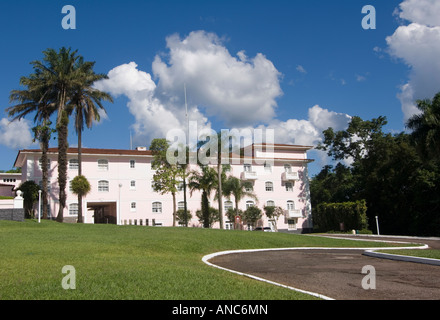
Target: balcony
{"points": [[293, 213], [249, 175], [290, 176]]}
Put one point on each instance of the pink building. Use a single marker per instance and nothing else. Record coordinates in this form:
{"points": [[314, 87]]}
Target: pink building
{"points": [[122, 193], [9, 182]]}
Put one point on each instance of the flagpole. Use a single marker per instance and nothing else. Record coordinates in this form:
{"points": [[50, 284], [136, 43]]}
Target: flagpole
{"points": [[186, 147]]}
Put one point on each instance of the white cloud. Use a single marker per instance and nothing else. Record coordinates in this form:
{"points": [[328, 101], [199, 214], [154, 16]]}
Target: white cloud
{"points": [[425, 12], [301, 69], [418, 46], [15, 134], [238, 90], [153, 118]]}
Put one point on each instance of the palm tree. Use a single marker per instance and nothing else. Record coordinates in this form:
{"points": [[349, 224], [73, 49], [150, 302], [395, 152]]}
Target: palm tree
{"points": [[84, 103], [34, 99], [204, 181], [426, 126], [239, 189], [58, 78], [57, 74]]}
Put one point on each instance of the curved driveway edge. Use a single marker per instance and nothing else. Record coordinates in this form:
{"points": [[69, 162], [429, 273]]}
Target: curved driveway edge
{"points": [[369, 251], [206, 259]]}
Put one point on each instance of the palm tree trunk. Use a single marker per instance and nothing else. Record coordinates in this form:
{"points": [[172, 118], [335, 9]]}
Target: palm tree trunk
{"points": [[44, 148], [80, 215], [62, 129], [205, 209], [220, 200]]}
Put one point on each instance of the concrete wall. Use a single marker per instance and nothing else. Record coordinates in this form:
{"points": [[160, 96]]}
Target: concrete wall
{"points": [[12, 214]]}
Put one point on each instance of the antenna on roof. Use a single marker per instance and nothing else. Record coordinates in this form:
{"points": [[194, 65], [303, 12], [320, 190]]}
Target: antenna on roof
{"points": [[186, 114]]}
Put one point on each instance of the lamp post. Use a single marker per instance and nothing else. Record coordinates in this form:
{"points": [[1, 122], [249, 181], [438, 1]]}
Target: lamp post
{"points": [[377, 225], [39, 206]]}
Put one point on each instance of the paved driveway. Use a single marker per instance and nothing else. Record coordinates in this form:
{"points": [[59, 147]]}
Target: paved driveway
{"points": [[338, 273]]}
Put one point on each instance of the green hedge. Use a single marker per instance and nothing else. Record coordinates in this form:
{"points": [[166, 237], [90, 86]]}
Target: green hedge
{"points": [[330, 216]]}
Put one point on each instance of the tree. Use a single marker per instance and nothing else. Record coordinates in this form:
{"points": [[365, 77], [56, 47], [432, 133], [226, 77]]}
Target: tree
{"points": [[204, 181], [35, 99], [84, 103], [30, 195], [273, 212], [213, 217], [215, 145], [54, 80], [58, 78], [251, 215], [80, 187], [167, 176], [238, 188], [183, 217], [425, 127], [387, 172]]}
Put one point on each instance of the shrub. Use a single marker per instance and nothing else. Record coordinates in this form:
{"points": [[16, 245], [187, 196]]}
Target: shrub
{"points": [[343, 215]]}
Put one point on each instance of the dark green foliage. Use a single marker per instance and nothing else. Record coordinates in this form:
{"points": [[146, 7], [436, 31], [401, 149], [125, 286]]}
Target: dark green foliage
{"points": [[330, 216], [30, 195], [398, 181], [252, 214]]}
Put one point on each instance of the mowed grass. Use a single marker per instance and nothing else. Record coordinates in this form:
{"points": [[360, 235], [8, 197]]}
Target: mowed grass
{"points": [[135, 262]]}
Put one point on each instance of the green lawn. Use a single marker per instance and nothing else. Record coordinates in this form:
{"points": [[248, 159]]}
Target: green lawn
{"points": [[135, 262], [425, 253]]}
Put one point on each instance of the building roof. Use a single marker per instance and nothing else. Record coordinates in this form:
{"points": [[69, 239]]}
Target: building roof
{"points": [[147, 153], [95, 151]]}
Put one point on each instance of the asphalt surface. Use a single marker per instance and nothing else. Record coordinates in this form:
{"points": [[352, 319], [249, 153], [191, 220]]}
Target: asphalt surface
{"points": [[338, 273]]}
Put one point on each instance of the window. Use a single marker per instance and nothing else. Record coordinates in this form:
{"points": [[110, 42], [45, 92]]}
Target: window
{"points": [[181, 205], [289, 186], [247, 168], [40, 163], [103, 186], [267, 167], [290, 205], [270, 203], [133, 206], [73, 209], [102, 164], [132, 164], [157, 207], [287, 168], [269, 186], [70, 186], [73, 164], [180, 186], [228, 205], [249, 204], [132, 184]]}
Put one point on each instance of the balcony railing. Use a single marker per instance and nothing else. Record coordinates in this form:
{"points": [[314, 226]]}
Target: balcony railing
{"points": [[294, 213], [248, 175], [290, 176]]}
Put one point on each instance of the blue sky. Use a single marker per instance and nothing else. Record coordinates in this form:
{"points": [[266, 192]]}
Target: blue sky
{"points": [[295, 66]]}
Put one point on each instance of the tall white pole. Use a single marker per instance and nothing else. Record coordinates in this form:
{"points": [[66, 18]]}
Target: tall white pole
{"points": [[39, 206], [377, 225]]}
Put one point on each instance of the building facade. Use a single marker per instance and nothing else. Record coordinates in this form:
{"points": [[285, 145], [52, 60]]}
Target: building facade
{"points": [[9, 182], [122, 186]]}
